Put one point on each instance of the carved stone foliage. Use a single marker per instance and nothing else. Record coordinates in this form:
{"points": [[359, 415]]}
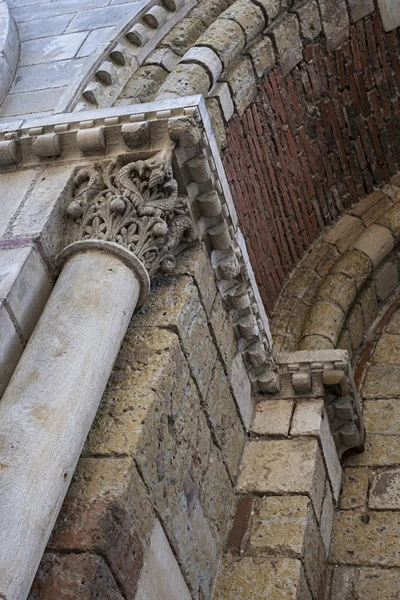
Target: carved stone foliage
{"points": [[136, 205]]}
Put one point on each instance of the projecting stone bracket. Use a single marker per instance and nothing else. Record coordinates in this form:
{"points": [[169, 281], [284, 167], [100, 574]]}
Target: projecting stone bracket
{"points": [[326, 374]]}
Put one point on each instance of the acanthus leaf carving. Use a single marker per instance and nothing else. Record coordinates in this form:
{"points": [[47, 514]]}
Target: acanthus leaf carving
{"points": [[136, 205]]}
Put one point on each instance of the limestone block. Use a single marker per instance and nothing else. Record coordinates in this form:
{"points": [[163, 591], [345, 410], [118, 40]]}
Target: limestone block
{"points": [[217, 122], [288, 43], [226, 38], [360, 9], [371, 207], [248, 15], [376, 242], [340, 289], [355, 325], [369, 304], [222, 93], [387, 350], [241, 388], [206, 58], [24, 284], [380, 451], [386, 278], [161, 576], [223, 332], [253, 578], [272, 417], [11, 347], [304, 285], [381, 381], [82, 576], [315, 342], [382, 582], [335, 22], [390, 13], [185, 80], [195, 262], [310, 22], [271, 8], [13, 188], [327, 516], [283, 466], [224, 420], [322, 258], [355, 487], [145, 83], [365, 539], [162, 57], [391, 220], [184, 35], [176, 304], [315, 556], [343, 583], [382, 415], [385, 490], [394, 323], [356, 265], [262, 55], [241, 79], [324, 319], [209, 10], [344, 232]]}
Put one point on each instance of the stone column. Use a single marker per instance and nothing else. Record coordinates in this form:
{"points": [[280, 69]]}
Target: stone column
{"points": [[50, 403]]}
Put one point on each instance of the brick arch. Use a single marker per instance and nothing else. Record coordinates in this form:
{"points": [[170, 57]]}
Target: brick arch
{"points": [[335, 295]]}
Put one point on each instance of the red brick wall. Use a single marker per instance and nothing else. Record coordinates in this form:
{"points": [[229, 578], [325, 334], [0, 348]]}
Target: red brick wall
{"points": [[312, 144]]}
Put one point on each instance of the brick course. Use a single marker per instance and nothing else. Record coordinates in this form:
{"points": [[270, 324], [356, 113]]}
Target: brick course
{"points": [[312, 144]]}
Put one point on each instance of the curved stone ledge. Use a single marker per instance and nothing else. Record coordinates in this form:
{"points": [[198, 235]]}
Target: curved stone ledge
{"points": [[9, 49]]}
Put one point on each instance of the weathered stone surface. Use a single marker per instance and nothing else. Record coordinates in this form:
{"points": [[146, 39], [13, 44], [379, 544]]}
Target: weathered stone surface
{"points": [[356, 265], [175, 304], [255, 578], [11, 347], [241, 388], [326, 521], [315, 557], [184, 35], [367, 539], [344, 342], [185, 80], [208, 10], [376, 242], [386, 278], [282, 466], [241, 79], [271, 8], [310, 22], [225, 423], [217, 122], [163, 57], [382, 415], [278, 525], [355, 325], [382, 381], [344, 232], [385, 490], [304, 285], [248, 15], [343, 583], [226, 38], [324, 319], [355, 487], [272, 417], [387, 350], [394, 324], [315, 342], [335, 22], [296, 323], [390, 13], [360, 9], [391, 220], [370, 215], [322, 258], [372, 584], [72, 576], [262, 55], [145, 83], [369, 304], [340, 289], [307, 417], [380, 450], [288, 42]]}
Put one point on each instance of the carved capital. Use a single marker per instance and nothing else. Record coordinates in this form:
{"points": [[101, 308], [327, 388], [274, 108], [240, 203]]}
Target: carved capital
{"points": [[135, 205]]}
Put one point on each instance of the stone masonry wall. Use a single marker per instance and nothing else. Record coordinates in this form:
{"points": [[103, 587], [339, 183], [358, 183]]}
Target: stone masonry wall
{"points": [[312, 144], [150, 506]]}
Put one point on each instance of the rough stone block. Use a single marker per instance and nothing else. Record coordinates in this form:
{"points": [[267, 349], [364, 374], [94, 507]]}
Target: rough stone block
{"points": [[304, 285], [272, 417], [162, 57], [360, 9], [385, 490], [248, 15], [324, 319], [387, 350], [327, 516], [288, 43], [340, 289], [222, 93], [209, 10], [283, 466], [195, 262], [241, 388], [322, 258], [262, 56], [380, 451], [356, 265], [13, 188], [391, 220], [185, 80], [376, 242], [315, 342], [223, 332], [382, 381], [372, 207], [365, 539], [10, 347], [224, 420], [382, 415], [386, 279], [226, 38], [241, 79], [343, 583], [217, 122], [145, 83], [253, 578], [377, 583], [176, 304], [344, 232], [184, 35], [73, 576], [310, 22], [271, 8], [355, 488], [369, 304], [390, 13], [335, 22], [355, 325], [25, 285]]}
